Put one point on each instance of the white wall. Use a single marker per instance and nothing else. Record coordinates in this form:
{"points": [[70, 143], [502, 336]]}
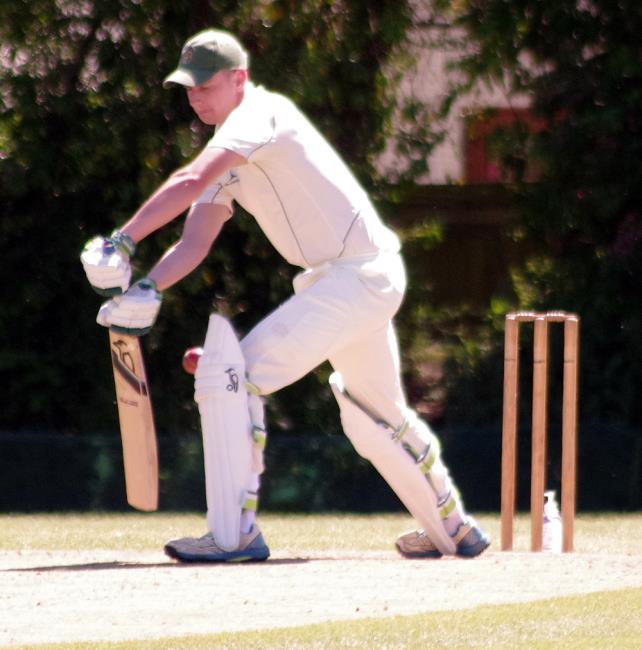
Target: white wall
{"points": [[428, 82]]}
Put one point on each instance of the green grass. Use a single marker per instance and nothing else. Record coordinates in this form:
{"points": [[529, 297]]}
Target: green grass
{"points": [[600, 620]]}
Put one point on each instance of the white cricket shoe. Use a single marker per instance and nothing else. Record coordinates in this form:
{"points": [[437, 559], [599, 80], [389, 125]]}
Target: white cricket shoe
{"points": [[252, 548], [469, 539]]}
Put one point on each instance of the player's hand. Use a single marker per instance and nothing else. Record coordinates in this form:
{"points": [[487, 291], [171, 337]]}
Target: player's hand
{"points": [[135, 311], [106, 263]]}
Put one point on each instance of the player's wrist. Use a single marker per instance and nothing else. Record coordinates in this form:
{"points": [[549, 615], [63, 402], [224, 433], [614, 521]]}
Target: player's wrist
{"points": [[122, 242], [149, 285]]}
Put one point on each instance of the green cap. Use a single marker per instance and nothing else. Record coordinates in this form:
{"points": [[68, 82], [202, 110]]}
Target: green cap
{"points": [[203, 55]]}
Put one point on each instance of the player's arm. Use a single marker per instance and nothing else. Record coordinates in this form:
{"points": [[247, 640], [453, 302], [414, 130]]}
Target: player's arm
{"points": [[202, 226], [106, 259], [180, 190]]}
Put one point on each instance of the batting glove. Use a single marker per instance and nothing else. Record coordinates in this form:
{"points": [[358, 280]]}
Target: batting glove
{"points": [[106, 263], [135, 311]]}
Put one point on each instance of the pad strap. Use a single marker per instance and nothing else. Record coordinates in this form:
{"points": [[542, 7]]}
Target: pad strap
{"points": [[424, 450], [259, 433], [447, 507], [259, 436], [250, 501]]}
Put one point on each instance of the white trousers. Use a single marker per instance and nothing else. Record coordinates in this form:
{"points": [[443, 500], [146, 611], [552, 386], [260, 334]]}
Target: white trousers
{"points": [[341, 312]]}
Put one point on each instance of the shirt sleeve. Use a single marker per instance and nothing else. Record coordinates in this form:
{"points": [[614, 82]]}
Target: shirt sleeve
{"points": [[248, 129], [217, 194]]}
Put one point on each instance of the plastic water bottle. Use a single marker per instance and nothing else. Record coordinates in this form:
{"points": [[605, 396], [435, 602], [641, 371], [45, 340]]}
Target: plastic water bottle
{"points": [[552, 533]]}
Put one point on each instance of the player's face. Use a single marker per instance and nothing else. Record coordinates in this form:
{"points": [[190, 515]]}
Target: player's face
{"points": [[214, 100]]}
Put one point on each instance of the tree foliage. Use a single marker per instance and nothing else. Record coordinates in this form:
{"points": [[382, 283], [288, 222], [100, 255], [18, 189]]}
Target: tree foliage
{"points": [[581, 62]]}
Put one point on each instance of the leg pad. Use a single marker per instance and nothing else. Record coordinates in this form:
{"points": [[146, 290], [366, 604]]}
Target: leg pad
{"points": [[379, 443]]}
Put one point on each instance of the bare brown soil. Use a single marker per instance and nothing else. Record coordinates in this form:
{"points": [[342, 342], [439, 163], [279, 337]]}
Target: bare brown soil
{"points": [[108, 595]]}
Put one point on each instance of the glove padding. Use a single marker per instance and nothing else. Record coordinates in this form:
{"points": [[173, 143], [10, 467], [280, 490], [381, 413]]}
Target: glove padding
{"points": [[106, 263], [135, 311]]}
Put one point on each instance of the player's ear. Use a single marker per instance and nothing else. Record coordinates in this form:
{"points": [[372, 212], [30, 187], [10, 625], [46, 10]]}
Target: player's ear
{"points": [[240, 76]]}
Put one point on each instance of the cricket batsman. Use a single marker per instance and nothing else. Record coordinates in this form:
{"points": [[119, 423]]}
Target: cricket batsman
{"points": [[267, 157]]}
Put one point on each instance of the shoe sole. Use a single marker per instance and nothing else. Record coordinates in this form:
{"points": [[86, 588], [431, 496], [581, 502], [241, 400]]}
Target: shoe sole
{"points": [[419, 555], [231, 557]]}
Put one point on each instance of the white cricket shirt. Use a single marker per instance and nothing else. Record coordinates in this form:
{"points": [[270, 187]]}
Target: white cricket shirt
{"points": [[303, 196]]}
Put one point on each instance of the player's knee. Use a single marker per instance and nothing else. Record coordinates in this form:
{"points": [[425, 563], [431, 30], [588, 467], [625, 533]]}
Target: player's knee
{"points": [[265, 373]]}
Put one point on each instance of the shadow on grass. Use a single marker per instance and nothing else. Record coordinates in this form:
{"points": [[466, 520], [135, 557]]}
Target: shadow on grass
{"points": [[109, 566]]}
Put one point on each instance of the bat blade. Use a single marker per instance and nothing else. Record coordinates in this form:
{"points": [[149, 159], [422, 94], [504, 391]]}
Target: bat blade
{"points": [[137, 429]]}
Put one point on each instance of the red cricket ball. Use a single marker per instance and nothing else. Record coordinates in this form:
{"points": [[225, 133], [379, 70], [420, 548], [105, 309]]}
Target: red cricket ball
{"points": [[190, 359]]}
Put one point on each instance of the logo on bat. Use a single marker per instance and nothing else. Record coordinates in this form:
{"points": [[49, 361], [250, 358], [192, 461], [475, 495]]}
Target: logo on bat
{"points": [[126, 368]]}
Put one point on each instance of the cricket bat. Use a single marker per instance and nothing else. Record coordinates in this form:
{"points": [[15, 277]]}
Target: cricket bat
{"points": [[137, 430]]}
